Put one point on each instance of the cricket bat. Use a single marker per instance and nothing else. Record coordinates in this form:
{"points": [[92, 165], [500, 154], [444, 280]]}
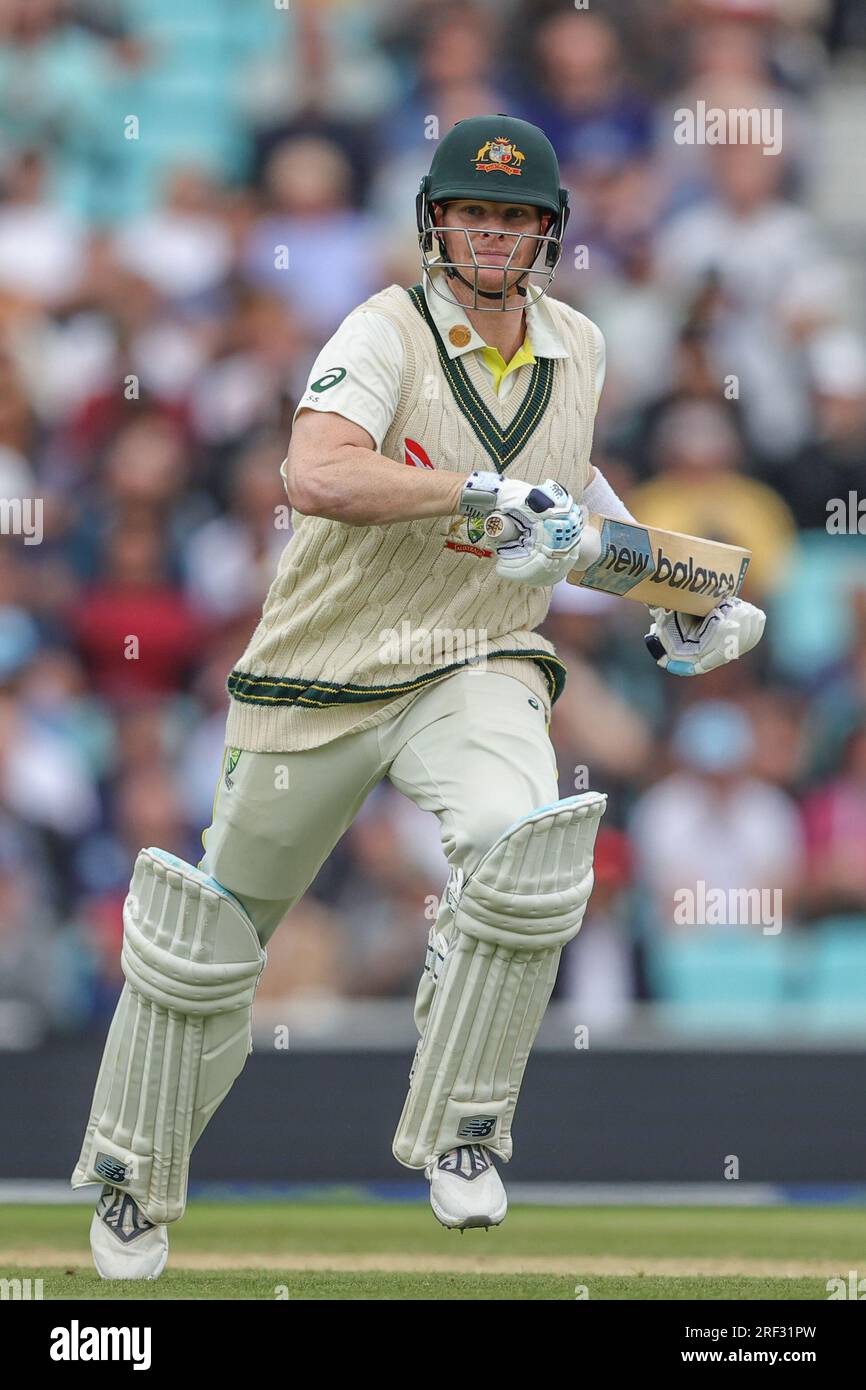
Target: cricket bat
{"points": [[661, 568]]}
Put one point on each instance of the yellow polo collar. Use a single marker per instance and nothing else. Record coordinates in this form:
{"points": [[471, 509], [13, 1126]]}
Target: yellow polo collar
{"points": [[499, 368], [539, 322]]}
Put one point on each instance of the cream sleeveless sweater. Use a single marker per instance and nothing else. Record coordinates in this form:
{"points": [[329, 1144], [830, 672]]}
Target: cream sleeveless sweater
{"points": [[360, 619]]}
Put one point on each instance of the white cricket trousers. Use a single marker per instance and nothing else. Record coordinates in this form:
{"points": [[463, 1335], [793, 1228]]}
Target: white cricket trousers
{"points": [[473, 749]]}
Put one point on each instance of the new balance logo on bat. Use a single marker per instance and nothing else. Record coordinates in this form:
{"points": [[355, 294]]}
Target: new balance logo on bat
{"points": [[636, 565], [686, 573], [697, 580]]}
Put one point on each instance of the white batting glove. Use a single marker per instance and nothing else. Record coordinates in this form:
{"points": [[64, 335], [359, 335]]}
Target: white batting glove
{"points": [[550, 525], [689, 646]]}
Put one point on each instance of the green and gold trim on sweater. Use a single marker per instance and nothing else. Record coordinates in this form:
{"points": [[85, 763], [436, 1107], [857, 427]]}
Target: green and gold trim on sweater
{"points": [[286, 691], [501, 445]]}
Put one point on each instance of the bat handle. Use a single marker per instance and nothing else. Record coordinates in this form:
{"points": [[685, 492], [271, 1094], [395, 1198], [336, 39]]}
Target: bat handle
{"points": [[501, 528]]}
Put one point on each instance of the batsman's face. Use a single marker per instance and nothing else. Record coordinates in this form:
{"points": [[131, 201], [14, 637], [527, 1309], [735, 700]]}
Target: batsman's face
{"points": [[492, 231]]}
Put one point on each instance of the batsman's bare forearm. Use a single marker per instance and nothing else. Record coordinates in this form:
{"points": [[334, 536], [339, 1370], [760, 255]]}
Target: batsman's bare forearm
{"points": [[362, 488], [334, 470]]}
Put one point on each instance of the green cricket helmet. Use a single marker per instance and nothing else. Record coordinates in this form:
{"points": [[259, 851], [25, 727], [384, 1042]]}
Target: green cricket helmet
{"points": [[497, 159]]}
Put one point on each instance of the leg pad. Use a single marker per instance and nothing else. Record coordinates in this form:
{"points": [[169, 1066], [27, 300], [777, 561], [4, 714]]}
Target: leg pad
{"points": [[180, 1035], [515, 913]]}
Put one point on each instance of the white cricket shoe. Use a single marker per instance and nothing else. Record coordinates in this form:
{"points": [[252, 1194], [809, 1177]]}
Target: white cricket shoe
{"points": [[465, 1188], [125, 1244]]}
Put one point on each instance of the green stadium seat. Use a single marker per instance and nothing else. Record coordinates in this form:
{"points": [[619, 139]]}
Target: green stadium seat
{"points": [[808, 624], [721, 977], [837, 975]]}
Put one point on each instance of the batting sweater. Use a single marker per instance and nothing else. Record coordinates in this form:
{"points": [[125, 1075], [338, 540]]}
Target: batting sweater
{"points": [[360, 619]]}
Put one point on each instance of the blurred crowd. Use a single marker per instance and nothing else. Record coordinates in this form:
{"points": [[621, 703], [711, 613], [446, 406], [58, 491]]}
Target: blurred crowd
{"points": [[193, 193]]}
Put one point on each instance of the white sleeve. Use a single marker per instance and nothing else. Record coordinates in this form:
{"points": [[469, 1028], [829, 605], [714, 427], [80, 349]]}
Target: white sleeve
{"points": [[359, 373], [599, 496], [600, 360]]}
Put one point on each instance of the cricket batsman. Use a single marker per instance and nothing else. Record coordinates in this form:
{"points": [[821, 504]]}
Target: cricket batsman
{"points": [[430, 407]]}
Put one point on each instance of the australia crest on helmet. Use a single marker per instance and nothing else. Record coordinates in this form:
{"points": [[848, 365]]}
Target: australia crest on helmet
{"points": [[499, 154]]}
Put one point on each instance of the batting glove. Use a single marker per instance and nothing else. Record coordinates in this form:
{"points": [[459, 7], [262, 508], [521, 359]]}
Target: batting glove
{"points": [[690, 646], [550, 525]]}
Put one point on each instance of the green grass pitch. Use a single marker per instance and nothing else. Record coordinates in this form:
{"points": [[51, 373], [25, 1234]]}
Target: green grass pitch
{"points": [[332, 1250]]}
